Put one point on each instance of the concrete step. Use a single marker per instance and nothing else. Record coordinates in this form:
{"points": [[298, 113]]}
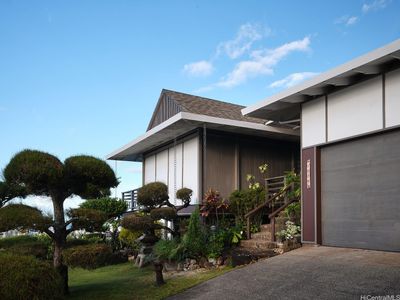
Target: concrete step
{"points": [[262, 235], [257, 244], [266, 228], [241, 256]]}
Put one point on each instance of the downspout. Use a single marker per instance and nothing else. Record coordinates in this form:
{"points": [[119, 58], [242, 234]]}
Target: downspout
{"points": [[204, 162]]}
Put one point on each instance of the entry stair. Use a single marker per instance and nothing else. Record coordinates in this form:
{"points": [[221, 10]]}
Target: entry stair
{"points": [[262, 244]]}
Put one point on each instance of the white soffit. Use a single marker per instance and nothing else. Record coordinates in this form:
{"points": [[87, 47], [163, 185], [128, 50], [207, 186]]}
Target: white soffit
{"points": [[287, 104], [184, 122]]}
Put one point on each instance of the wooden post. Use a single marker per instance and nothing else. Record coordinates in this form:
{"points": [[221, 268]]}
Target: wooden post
{"points": [[273, 229], [284, 185], [248, 228]]}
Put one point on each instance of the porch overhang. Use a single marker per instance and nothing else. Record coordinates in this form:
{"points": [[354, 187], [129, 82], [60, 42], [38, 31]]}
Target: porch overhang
{"points": [[183, 123], [286, 105]]}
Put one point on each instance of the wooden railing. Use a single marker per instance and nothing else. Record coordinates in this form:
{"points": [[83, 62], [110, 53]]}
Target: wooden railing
{"points": [[273, 215], [130, 197], [270, 202], [274, 185]]}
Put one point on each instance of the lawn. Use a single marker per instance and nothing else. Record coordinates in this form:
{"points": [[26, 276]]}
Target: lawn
{"points": [[126, 281]]}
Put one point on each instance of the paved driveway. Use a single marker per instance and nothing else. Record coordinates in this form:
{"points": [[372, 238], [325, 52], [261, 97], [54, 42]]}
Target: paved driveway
{"points": [[308, 273]]}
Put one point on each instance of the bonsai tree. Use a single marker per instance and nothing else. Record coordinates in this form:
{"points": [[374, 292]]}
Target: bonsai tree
{"points": [[154, 200], [32, 172]]}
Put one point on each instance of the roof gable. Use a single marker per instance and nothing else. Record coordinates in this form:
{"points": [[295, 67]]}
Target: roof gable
{"points": [[170, 103], [166, 108]]}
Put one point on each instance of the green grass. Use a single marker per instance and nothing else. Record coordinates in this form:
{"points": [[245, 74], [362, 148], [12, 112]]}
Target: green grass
{"points": [[126, 281]]}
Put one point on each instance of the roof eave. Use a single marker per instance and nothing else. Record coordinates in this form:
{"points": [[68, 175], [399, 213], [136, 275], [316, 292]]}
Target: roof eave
{"points": [[367, 64], [185, 122]]}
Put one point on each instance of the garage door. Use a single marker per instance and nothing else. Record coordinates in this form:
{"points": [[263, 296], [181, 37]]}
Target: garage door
{"points": [[360, 193]]}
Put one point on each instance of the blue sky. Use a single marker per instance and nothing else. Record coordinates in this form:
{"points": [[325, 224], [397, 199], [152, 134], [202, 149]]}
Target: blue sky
{"points": [[83, 77]]}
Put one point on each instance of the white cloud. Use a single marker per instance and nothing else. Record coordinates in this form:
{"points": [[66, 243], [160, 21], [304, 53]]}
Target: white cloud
{"points": [[347, 20], [352, 20], [247, 34], [262, 62], [374, 5], [292, 79], [45, 204], [199, 68]]}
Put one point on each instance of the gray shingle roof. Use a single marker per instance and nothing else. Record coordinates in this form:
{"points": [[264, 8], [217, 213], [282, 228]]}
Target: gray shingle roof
{"points": [[209, 107]]}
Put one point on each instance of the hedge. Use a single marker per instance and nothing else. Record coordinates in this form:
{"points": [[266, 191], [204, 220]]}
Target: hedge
{"points": [[24, 277], [92, 256]]}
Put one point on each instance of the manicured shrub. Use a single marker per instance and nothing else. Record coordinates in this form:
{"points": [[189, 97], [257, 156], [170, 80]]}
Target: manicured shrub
{"points": [[184, 194], [39, 246], [88, 176], [20, 216], [194, 241], [90, 256], [153, 194], [128, 239], [24, 277], [166, 213], [87, 218], [137, 222]]}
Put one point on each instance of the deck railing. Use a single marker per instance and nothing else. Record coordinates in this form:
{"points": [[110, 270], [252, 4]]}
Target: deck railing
{"points": [[130, 197]]}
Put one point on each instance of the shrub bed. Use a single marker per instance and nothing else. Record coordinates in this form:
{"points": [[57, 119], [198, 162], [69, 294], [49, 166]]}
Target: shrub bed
{"points": [[39, 246], [24, 277], [92, 256]]}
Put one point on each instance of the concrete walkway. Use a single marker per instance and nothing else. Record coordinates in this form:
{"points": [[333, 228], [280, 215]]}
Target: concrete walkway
{"points": [[308, 273]]}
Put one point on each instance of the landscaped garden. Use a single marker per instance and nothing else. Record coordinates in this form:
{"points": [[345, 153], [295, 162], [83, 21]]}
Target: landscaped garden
{"points": [[98, 251]]}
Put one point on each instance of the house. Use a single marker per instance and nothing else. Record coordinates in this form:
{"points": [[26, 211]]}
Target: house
{"points": [[350, 150], [201, 143]]}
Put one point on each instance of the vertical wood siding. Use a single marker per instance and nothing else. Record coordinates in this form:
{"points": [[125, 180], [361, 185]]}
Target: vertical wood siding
{"points": [[230, 158], [166, 109]]}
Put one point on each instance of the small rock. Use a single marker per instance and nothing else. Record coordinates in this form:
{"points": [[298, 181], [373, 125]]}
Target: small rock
{"points": [[179, 267], [220, 261], [202, 262]]}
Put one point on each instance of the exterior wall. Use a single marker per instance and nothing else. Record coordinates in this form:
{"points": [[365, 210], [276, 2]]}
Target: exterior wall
{"points": [[229, 158], [355, 110], [314, 122], [176, 166], [368, 107], [392, 98], [150, 169], [190, 167], [220, 161]]}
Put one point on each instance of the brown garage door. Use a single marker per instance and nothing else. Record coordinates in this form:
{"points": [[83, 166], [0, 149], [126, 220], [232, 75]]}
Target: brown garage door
{"points": [[360, 193]]}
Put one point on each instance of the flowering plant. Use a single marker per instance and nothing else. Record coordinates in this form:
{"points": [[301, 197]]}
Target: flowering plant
{"points": [[290, 231]]}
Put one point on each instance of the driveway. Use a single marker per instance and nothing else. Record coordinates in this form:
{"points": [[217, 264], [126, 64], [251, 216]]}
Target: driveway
{"points": [[310, 272]]}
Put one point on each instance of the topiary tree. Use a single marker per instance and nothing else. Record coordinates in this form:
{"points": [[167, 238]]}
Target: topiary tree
{"points": [[155, 206], [32, 172]]}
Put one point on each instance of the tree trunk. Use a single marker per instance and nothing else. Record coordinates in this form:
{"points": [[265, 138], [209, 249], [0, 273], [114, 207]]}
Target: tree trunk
{"points": [[158, 267], [60, 237]]}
